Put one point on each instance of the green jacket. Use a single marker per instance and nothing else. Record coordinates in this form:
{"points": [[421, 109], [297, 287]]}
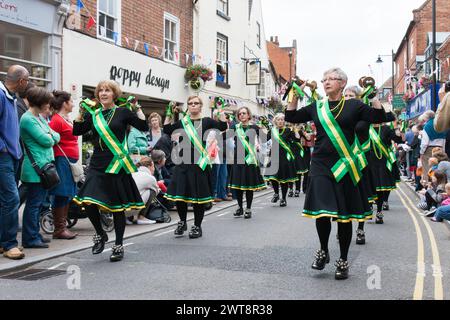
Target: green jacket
{"points": [[35, 135], [137, 142]]}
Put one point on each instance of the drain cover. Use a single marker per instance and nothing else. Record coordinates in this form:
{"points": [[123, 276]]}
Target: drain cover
{"points": [[33, 274]]}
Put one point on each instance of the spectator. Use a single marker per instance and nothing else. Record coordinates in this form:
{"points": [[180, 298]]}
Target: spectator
{"points": [[434, 195], [161, 172], [442, 120], [430, 139], [16, 82], [22, 102], [444, 163], [146, 184], [66, 152], [443, 212], [39, 140], [409, 138]]}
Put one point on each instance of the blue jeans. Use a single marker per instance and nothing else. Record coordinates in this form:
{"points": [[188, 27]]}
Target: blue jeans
{"points": [[30, 226], [9, 201], [221, 181], [442, 213]]}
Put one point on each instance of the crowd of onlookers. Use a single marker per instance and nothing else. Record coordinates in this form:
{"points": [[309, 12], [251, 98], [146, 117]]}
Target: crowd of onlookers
{"points": [[424, 159]]}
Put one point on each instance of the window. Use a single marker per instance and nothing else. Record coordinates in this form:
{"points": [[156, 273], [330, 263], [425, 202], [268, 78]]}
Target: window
{"points": [[171, 36], [258, 34], [14, 46], [222, 58], [222, 6], [261, 90], [108, 20]]}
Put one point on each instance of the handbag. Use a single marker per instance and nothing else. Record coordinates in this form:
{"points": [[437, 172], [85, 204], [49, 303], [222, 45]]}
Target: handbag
{"points": [[48, 173], [76, 168]]}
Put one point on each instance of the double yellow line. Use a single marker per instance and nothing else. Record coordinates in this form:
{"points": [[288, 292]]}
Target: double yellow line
{"points": [[421, 269]]}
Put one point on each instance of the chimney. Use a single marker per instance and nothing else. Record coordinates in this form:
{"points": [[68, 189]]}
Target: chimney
{"points": [[294, 44], [276, 41], [271, 39]]}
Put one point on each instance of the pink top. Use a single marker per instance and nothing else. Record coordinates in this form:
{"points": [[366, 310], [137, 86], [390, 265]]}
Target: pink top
{"points": [[68, 142], [446, 202]]}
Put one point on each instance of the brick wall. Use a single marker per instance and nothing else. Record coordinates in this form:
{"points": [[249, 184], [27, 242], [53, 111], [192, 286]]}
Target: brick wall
{"points": [[280, 59], [143, 20], [444, 54]]}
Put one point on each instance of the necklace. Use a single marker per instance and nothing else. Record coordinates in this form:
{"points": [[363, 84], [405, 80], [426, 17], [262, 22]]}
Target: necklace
{"points": [[340, 105], [376, 148]]}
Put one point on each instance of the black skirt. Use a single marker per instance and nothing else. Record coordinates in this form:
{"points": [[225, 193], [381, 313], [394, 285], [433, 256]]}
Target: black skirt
{"points": [[367, 182], [247, 178], [190, 184], [342, 201], [281, 170], [383, 178], [302, 164], [110, 192]]}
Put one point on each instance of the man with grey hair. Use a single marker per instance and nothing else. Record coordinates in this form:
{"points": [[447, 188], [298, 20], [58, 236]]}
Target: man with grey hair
{"points": [[16, 82]]}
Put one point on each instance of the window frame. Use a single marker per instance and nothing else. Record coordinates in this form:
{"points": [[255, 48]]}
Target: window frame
{"points": [[225, 39], [220, 7], [173, 19], [258, 34], [118, 22]]}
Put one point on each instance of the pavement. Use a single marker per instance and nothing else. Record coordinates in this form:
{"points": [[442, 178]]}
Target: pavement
{"points": [[58, 248]]}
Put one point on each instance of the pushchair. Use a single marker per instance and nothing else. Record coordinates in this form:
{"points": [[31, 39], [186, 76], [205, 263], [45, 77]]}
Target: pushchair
{"points": [[155, 210]]}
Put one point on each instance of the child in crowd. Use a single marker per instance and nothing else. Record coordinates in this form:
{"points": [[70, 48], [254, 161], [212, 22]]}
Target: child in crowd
{"points": [[435, 193], [443, 212]]}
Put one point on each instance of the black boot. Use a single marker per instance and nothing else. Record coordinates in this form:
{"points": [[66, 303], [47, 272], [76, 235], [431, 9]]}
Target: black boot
{"points": [[321, 259], [196, 232], [239, 212], [99, 243], [360, 237], [275, 198], [341, 269], [181, 228], [248, 214], [386, 206], [379, 219], [297, 193], [283, 203], [117, 253], [291, 193]]}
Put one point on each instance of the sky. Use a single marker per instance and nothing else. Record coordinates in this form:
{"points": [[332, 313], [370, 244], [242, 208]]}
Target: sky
{"points": [[349, 34]]}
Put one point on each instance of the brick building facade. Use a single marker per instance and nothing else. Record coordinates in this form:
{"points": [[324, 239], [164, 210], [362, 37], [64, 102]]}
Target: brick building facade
{"points": [[411, 52], [285, 64]]}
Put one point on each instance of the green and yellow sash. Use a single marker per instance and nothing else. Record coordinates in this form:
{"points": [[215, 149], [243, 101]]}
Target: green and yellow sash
{"points": [[119, 150], [358, 151], [302, 150], [277, 136], [251, 158], [386, 152], [348, 162], [203, 162]]}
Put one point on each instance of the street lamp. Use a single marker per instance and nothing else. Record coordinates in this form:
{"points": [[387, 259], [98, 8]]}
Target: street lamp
{"points": [[379, 60]]}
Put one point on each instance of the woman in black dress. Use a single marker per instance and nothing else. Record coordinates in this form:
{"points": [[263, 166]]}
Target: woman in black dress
{"points": [[334, 189], [191, 179], [245, 172], [109, 185], [282, 159], [302, 160]]}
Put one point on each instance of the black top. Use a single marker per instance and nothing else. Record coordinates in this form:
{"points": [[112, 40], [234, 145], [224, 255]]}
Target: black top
{"points": [[325, 155], [118, 123], [202, 126], [252, 133], [363, 127]]}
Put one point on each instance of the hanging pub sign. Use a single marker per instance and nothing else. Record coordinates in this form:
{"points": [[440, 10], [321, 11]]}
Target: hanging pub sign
{"points": [[253, 72]]}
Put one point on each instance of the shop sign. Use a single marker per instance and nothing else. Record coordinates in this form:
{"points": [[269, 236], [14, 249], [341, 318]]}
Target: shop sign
{"points": [[31, 14], [130, 78]]}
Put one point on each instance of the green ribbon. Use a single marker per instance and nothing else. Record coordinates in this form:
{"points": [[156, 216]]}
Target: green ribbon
{"points": [[348, 162], [251, 158], [219, 102], [203, 162], [404, 126], [119, 150], [90, 105], [302, 151], [376, 139], [366, 146], [298, 90], [169, 109], [365, 95], [276, 134], [126, 102]]}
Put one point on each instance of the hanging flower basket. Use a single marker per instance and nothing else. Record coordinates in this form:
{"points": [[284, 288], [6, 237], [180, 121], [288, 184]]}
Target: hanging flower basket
{"points": [[196, 75]]}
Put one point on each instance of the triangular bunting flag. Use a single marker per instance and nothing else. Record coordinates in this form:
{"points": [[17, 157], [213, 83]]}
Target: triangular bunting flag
{"points": [[136, 44], [90, 23], [146, 48], [80, 5]]}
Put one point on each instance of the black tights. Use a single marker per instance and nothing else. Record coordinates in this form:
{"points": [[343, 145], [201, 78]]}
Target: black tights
{"points": [[323, 226], [248, 197], [297, 183], [284, 188], [382, 196], [119, 222], [199, 212]]}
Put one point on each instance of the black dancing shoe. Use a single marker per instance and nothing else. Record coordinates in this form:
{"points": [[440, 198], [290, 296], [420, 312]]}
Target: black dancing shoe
{"points": [[117, 253], [99, 243], [196, 232], [239, 212], [386, 206], [321, 259], [283, 203], [360, 237], [181, 228], [275, 198], [291, 193], [248, 214], [297, 193], [379, 218], [341, 269]]}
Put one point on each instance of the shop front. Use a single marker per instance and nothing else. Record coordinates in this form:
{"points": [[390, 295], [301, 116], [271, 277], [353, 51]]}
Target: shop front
{"points": [[29, 36], [421, 103], [87, 61]]}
